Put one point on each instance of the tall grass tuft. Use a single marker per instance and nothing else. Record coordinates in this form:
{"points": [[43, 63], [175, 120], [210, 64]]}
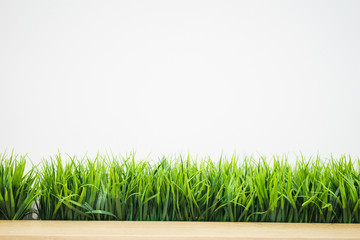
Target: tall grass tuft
{"points": [[18, 189], [187, 189]]}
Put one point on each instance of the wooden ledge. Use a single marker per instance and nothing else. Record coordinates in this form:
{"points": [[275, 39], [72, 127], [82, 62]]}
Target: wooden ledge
{"points": [[173, 230]]}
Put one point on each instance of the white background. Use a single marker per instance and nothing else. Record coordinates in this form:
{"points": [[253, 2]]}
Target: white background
{"points": [[163, 77]]}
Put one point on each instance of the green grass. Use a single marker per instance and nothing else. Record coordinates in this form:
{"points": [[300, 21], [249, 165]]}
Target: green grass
{"points": [[186, 189], [18, 189]]}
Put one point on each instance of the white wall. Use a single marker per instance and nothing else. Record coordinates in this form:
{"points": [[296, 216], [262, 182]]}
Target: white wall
{"points": [[180, 76]]}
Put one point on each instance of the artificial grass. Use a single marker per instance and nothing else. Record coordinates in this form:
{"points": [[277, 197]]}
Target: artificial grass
{"points": [[187, 189]]}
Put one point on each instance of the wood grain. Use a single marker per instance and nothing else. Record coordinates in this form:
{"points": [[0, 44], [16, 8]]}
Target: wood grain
{"points": [[173, 230]]}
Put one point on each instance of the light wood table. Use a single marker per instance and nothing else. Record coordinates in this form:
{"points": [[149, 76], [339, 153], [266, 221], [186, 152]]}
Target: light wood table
{"points": [[173, 230]]}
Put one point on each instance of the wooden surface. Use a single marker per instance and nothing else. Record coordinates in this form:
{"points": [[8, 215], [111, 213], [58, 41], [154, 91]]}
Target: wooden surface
{"points": [[173, 230]]}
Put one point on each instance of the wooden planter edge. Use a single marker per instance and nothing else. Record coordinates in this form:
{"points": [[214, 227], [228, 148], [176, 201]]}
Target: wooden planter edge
{"points": [[33, 229]]}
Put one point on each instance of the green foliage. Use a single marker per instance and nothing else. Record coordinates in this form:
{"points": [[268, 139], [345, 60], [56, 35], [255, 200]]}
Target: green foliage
{"points": [[18, 189], [186, 189], [182, 189]]}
